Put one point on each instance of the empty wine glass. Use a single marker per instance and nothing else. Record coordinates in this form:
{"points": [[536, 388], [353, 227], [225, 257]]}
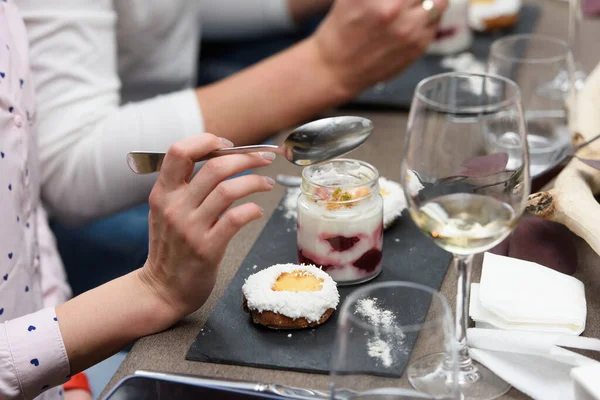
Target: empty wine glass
{"points": [[533, 62], [574, 40], [565, 78], [473, 195], [381, 327]]}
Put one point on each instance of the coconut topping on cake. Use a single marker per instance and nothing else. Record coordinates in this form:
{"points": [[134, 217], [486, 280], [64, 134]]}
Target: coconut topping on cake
{"points": [[294, 291], [394, 201]]}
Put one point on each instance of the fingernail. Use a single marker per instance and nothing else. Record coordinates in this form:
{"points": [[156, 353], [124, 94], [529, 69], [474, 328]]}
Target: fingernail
{"points": [[269, 180], [226, 142], [267, 155]]}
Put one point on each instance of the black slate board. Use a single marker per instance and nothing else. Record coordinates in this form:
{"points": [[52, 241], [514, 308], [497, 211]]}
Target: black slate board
{"points": [[229, 336], [398, 92]]}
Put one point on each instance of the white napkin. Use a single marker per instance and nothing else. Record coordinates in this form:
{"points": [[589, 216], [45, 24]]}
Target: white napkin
{"points": [[522, 295], [533, 362], [587, 382]]}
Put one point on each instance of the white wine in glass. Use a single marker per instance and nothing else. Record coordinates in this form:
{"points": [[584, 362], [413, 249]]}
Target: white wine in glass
{"points": [[473, 194], [464, 223]]}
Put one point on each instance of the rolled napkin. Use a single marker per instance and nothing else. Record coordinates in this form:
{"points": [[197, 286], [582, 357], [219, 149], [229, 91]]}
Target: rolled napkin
{"points": [[521, 295], [534, 363]]}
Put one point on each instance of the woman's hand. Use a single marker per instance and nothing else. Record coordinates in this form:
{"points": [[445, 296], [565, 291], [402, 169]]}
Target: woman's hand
{"points": [[366, 41], [190, 223], [190, 227]]}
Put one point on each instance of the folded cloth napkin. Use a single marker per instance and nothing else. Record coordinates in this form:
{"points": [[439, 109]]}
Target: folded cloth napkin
{"points": [[535, 363], [587, 384], [521, 295]]}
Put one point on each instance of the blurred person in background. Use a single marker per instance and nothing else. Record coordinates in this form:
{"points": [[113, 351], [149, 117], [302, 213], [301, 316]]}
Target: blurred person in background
{"points": [[112, 76]]}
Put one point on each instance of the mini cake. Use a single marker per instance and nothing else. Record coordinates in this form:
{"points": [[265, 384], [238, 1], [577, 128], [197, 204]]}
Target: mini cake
{"points": [[394, 201], [290, 296], [490, 15]]}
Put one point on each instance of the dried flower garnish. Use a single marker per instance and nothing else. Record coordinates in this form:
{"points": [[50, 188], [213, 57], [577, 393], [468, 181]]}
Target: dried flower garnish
{"points": [[344, 197]]}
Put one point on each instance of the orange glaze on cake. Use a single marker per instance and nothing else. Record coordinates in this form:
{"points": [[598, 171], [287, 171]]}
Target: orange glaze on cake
{"points": [[297, 281]]}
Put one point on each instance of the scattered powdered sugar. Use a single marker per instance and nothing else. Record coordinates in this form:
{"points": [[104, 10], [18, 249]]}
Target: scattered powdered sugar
{"points": [[376, 316], [380, 349], [254, 267], [388, 337]]}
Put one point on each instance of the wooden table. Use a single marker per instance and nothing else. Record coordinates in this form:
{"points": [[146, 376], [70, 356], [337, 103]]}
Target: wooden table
{"points": [[166, 351]]}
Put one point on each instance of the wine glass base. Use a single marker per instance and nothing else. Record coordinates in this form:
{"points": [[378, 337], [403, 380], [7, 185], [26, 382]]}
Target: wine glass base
{"points": [[477, 382]]}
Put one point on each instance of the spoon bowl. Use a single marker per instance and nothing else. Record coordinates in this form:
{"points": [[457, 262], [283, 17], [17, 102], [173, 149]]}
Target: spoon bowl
{"points": [[312, 143], [325, 139]]}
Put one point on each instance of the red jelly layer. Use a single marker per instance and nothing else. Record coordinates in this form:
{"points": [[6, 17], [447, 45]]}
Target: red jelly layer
{"points": [[369, 261], [445, 33], [342, 243], [302, 259]]}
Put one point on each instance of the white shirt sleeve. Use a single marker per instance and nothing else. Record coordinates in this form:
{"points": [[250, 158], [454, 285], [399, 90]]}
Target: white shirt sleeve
{"points": [[84, 132], [230, 19]]}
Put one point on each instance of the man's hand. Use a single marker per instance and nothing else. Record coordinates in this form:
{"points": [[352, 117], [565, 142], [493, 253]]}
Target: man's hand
{"points": [[366, 41], [300, 10]]}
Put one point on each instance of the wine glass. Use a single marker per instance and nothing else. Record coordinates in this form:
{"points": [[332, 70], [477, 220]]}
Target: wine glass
{"points": [[564, 79], [574, 39], [380, 327], [533, 62], [473, 194]]}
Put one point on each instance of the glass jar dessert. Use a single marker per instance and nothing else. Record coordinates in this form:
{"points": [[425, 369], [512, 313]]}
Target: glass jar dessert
{"points": [[340, 220]]}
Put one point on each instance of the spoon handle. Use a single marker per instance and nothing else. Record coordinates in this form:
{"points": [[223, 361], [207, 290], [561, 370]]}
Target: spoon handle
{"points": [[146, 162]]}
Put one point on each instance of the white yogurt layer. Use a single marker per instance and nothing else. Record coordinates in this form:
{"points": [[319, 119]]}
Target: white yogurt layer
{"points": [[316, 224]]}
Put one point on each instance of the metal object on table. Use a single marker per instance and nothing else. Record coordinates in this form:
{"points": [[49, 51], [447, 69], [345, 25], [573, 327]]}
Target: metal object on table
{"points": [[288, 180], [309, 144], [287, 392], [280, 390]]}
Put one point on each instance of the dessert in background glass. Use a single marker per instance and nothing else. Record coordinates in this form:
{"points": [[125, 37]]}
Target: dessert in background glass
{"points": [[340, 220], [493, 15], [473, 196], [453, 34], [533, 62]]}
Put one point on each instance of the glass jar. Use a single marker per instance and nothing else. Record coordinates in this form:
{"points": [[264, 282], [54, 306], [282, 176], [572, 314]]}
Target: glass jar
{"points": [[340, 220]]}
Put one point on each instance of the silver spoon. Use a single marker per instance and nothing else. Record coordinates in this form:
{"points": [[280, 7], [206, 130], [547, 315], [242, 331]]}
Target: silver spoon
{"points": [[311, 143], [288, 180]]}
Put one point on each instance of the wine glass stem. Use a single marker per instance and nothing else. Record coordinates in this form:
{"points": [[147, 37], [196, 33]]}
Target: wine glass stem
{"points": [[463, 290]]}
